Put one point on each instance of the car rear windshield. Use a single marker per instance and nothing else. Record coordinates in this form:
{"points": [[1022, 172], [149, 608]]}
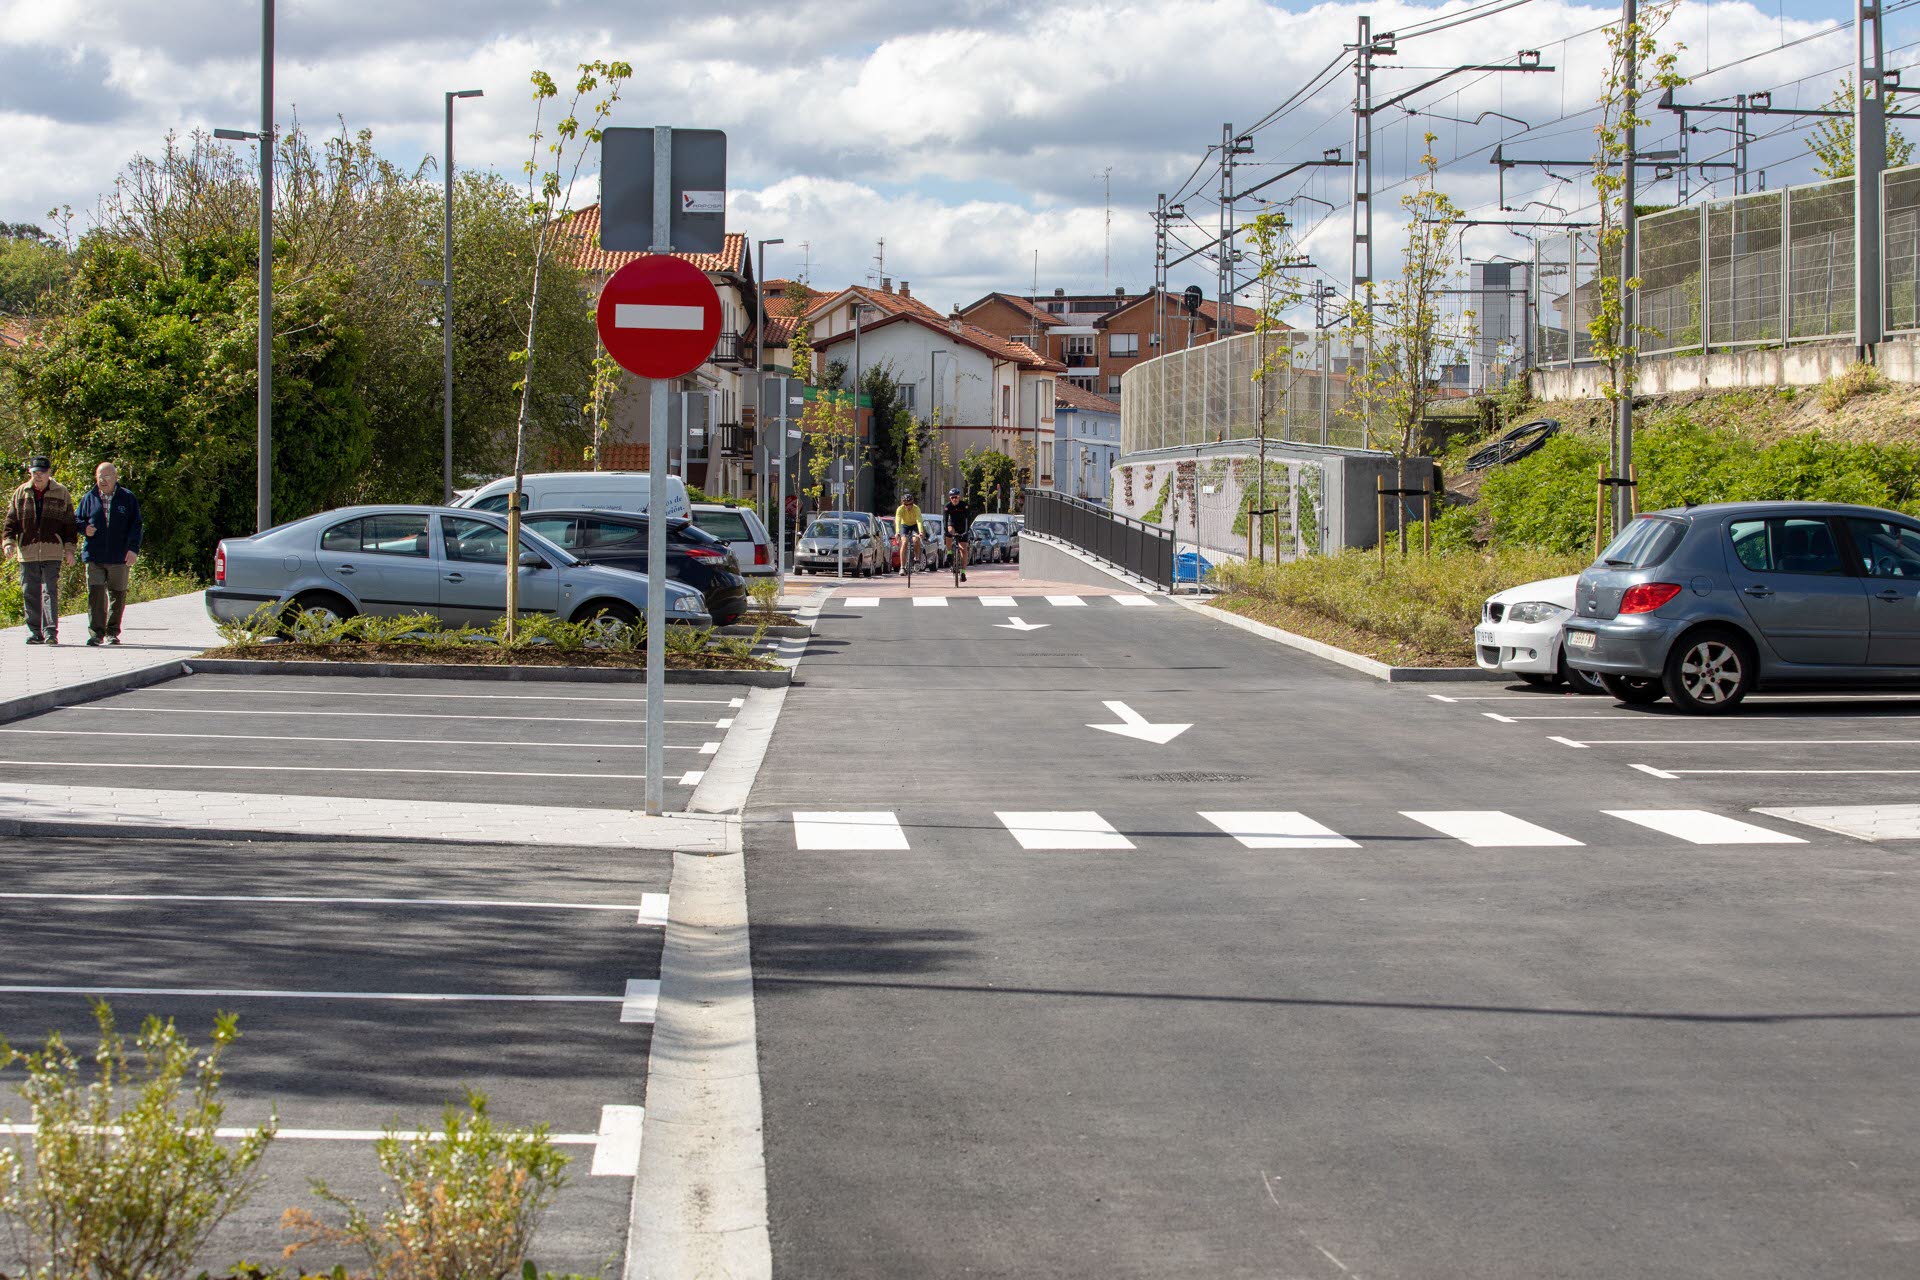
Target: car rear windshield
{"points": [[1644, 543], [728, 526]]}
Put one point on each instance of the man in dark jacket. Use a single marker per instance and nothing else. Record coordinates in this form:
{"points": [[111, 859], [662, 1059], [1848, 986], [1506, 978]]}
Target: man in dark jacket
{"points": [[110, 517], [40, 530]]}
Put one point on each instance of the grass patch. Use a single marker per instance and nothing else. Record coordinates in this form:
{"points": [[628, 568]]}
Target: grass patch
{"points": [[1860, 379], [1417, 612], [146, 584]]}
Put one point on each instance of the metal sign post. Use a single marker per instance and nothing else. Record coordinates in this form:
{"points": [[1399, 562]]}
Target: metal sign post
{"points": [[656, 504]]}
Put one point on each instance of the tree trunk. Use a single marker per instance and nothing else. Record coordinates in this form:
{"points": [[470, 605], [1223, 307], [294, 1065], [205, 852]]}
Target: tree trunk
{"points": [[520, 444]]}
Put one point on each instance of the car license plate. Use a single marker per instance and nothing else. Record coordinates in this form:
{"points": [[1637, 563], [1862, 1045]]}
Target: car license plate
{"points": [[1484, 635], [1580, 639]]}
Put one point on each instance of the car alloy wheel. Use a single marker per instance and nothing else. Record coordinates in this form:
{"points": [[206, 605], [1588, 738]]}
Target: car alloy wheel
{"points": [[1708, 673]]}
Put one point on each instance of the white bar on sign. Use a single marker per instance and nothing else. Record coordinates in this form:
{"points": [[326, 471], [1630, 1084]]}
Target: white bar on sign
{"points": [[648, 315]]}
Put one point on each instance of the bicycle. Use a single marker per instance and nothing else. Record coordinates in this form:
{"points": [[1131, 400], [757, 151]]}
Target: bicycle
{"points": [[908, 545], [959, 560]]}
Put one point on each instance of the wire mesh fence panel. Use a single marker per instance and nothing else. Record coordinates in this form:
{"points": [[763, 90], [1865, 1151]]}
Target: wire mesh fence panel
{"points": [[1209, 393], [1552, 290], [1670, 259], [1586, 291], [1900, 256], [1820, 260], [1743, 270]]}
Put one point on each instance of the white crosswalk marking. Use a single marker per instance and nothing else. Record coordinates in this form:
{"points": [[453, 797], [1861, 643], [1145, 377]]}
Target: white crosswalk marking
{"points": [[1280, 829], [998, 602], [848, 830], [1063, 829], [1138, 602], [1700, 826], [923, 602], [862, 602], [1489, 829], [1067, 602]]}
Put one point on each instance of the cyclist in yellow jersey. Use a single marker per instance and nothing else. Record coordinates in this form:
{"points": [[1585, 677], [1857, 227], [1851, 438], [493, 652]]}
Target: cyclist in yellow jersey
{"points": [[906, 522]]}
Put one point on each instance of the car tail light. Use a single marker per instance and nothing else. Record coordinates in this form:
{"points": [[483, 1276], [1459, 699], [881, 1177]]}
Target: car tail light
{"points": [[761, 555], [1648, 596], [706, 553], [220, 565]]}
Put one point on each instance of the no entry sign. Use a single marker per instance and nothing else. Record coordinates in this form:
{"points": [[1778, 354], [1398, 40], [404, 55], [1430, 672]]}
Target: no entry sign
{"points": [[659, 317]]}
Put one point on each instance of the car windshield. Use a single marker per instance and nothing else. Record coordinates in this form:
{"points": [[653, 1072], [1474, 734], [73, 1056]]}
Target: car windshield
{"points": [[831, 529], [1644, 543]]}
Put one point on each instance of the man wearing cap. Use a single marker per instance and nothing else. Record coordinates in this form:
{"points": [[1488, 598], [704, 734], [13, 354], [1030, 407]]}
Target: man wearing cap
{"points": [[110, 518], [40, 530]]}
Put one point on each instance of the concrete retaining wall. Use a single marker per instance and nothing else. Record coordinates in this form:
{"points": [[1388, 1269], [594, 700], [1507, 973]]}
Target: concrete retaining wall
{"points": [[1807, 365], [1044, 560]]}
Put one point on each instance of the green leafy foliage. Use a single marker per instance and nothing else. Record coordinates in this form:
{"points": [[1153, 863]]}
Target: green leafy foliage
{"points": [[462, 1203], [145, 584], [989, 475], [124, 1178]]}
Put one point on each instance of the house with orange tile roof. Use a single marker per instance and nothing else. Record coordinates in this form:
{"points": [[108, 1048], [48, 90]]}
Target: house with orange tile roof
{"points": [[714, 441], [979, 390], [1086, 442]]}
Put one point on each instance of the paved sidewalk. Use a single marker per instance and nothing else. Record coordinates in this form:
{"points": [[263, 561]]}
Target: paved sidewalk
{"points": [[156, 633]]}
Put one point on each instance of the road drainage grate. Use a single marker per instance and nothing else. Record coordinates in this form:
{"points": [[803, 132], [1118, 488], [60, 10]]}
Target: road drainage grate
{"points": [[1189, 777]]}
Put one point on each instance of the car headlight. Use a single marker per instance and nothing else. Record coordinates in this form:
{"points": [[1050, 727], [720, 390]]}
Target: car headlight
{"points": [[1530, 611], [688, 604]]}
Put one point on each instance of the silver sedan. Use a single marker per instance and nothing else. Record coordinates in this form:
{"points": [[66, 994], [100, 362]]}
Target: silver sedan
{"points": [[438, 560]]}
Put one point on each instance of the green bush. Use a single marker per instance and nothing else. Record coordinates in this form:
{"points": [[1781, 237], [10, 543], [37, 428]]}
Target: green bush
{"points": [[146, 584], [124, 1178]]}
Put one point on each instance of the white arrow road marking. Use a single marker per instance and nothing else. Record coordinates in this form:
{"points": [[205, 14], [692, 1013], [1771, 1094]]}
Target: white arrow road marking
{"points": [[1018, 623], [650, 315], [1135, 725]]}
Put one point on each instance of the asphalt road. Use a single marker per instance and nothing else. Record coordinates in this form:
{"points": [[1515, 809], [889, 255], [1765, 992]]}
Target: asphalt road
{"points": [[330, 955], [1028, 1008]]}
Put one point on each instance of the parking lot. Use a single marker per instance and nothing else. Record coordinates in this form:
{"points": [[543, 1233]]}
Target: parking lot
{"points": [[374, 983]]}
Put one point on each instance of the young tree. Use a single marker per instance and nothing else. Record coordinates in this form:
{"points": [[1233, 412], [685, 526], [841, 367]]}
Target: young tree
{"points": [[550, 183], [989, 477], [1405, 325], [889, 421], [1831, 141], [1280, 291]]}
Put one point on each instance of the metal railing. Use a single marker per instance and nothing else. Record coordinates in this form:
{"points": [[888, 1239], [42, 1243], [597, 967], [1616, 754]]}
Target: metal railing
{"points": [[1143, 550]]}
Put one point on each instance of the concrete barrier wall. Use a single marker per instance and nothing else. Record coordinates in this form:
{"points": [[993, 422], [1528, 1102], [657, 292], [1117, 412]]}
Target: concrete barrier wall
{"points": [[1808, 365]]}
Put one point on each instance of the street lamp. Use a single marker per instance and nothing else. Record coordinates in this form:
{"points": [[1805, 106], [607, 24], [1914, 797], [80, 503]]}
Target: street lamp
{"points": [[263, 408], [759, 390], [446, 309]]}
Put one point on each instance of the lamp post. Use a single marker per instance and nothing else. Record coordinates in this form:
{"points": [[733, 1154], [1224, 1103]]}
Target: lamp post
{"points": [[446, 309], [759, 373], [263, 482]]}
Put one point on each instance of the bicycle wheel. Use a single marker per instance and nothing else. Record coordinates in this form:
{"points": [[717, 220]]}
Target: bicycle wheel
{"points": [[906, 562]]}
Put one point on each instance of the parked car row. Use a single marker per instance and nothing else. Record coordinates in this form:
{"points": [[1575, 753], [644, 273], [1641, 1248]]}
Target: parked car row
{"points": [[1703, 605], [865, 544]]}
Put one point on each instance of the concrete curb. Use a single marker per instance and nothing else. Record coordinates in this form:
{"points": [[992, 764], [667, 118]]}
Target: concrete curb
{"points": [[783, 632], [464, 671], [32, 704], [1332, 653]]}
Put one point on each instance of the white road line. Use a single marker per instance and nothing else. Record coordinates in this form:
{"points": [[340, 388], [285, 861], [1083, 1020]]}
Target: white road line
{"points": [[1138, 602], [1279, 829], [1568, 742], [1784, 773], [736, 703], [653, 910], [122, 708], [999, 602], [93, 734], [725, 722], [1870, 822], [848, 830], [616, 1150], [308, 900], [1490, 829], [1063, 829], [195, 690], [405, 997], [312, 768], [930, 602], [1441, 697], [692, 777], [1658, 773], [1702, 826], [1067, 602], [862, 602], [642, 1001], [1495, 715], [1752, 742], [708, 748]]}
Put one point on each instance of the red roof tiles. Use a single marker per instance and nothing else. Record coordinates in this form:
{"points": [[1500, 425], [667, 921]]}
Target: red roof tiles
{"points": [[1066, 393], [579, 247]]}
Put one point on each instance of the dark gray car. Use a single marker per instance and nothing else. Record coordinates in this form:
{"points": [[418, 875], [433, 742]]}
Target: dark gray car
{"points": [[1705, 604]]}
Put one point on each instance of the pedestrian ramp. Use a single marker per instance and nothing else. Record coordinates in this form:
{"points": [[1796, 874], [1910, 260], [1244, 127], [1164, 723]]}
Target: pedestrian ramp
{"points": [[1086, 830], [936, 600]]}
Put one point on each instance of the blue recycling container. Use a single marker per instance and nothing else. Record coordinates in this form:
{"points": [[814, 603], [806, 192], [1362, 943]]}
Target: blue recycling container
{"points": [[1191, 566]]}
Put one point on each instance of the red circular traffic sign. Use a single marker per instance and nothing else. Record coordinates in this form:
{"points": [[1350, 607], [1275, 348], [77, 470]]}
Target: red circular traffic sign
{"points": [[659, 317]]}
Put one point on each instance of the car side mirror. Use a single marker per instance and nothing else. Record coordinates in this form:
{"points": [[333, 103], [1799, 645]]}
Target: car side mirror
{"points": [[531, 560]]}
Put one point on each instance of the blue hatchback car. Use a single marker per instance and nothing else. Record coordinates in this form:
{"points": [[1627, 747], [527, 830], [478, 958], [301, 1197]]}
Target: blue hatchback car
{"points": [[1704, 604]]}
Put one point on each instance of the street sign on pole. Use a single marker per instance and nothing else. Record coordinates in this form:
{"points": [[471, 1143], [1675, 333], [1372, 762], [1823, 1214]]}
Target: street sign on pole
{"points": [[696, 193], [659, 317]]}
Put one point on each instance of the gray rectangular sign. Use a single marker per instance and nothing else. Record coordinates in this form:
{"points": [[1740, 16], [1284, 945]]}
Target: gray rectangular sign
{"points": [[698, 189]]}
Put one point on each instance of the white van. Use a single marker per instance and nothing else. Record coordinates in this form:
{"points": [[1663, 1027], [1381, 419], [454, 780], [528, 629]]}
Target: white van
{"points": [[580, 490]]}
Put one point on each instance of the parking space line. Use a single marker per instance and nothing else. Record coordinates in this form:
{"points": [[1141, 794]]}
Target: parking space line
{"points": [[194, 690], [322, 768], [1662, 774], [1785, 773], [642, 1001], [708, 748], [241, 993], [1745, 742], [736, 703], [724, 722], [1567, 742], [92, 734], [1490, 829], [121, 709], [307, 900], [1441, 697], [692, 777], [653, 910], [616, 1151], [1702, 826], [1495, 715]]}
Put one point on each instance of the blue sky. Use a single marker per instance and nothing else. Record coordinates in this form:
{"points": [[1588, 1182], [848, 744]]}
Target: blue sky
{"points": [[968, 134]]}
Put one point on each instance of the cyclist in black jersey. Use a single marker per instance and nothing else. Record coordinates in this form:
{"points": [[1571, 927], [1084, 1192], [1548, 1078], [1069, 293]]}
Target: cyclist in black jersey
{"points": [[959, 515]]}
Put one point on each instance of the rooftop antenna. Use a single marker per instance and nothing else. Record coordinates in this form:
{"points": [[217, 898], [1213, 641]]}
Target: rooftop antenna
{"points": [[806, 263], [879, 271], [1033, 319], [1106, 266]]}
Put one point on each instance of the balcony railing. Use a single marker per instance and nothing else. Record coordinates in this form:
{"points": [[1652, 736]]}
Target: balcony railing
{"points": [[1082, 360], [735, 440], [726, 349]]}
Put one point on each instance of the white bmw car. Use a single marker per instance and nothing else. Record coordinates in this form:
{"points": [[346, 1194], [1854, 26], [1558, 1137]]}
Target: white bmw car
{"points": [[1519, 631]]}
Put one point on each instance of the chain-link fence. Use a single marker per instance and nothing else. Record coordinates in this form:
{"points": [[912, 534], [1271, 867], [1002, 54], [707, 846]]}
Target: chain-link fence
{"points": [[1759, 269], [1209, 393]]}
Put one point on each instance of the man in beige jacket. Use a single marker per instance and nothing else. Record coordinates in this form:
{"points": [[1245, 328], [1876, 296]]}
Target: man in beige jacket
{"points": [[40, 530]]}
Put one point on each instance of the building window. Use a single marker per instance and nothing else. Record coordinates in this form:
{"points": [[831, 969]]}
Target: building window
{"points": [[1123, 344], [1113, 385], [1006, 403], [1085, 384], [906, 394], [1056, 308]]}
